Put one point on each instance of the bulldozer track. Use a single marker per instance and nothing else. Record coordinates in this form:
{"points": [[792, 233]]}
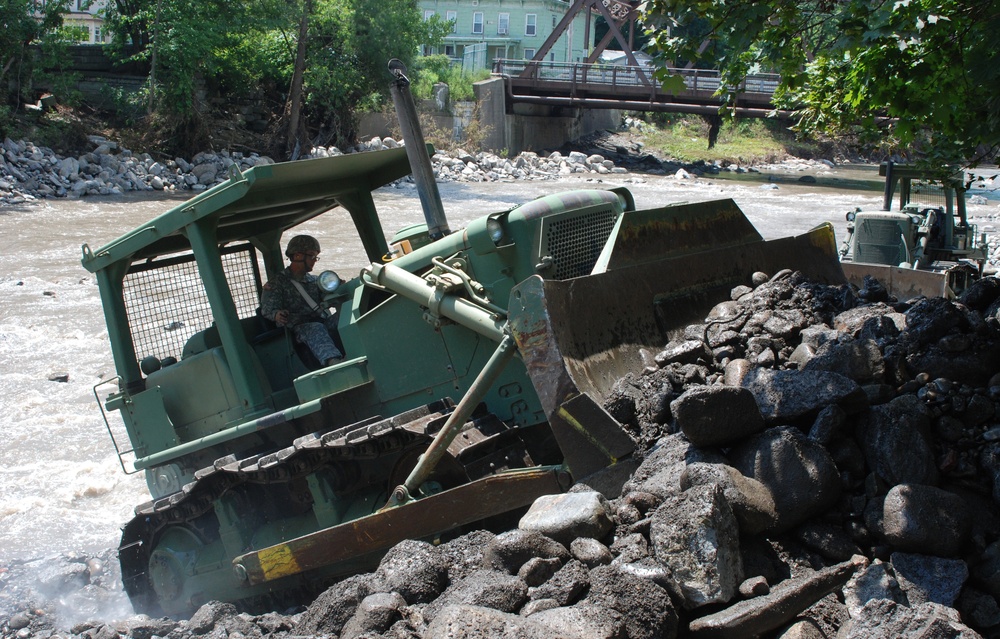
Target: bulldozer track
{"points": [[369, 440]]}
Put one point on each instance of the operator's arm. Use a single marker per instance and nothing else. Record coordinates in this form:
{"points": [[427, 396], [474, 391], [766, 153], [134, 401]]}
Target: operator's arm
{"points": [[272, 303]]}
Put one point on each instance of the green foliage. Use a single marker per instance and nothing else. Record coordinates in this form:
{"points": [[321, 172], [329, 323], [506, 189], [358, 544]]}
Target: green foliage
{"points": [[432, 69], [22, 27], [741, 141], [52, 64], [922, 71]]}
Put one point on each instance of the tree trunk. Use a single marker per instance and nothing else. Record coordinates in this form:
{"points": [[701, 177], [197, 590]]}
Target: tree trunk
{"points": [[293, 144]]}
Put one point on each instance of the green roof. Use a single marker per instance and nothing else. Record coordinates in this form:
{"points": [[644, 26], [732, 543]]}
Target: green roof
{"points": [[263, 198]]}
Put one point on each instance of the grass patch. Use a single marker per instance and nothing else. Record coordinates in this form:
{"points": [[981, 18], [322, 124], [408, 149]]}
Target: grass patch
{"points": [[740, 141]]}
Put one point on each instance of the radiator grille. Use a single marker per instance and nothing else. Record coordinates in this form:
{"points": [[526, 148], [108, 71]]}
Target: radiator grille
{"points": [[575, 243], [166, 302], [879, 241]]}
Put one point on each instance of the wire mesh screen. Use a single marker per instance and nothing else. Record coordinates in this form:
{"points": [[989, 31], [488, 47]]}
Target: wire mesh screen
{"points": [[575, 243], [166, 302]]}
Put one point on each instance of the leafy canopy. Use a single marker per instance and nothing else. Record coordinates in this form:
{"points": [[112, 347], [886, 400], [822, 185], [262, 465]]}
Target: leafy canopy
{"points": [[23, 24], [924, 71]]}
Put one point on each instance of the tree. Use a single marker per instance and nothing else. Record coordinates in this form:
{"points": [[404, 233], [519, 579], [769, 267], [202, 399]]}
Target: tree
{"points": [[924, 71], [23, 23]]}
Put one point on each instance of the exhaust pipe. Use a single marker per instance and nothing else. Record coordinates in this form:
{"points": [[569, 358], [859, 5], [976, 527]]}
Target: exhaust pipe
{"points": [[416, 151]]}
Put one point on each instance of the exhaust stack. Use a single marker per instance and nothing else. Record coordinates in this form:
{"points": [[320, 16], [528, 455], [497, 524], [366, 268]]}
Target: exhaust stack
{"points": [[416, 151]]}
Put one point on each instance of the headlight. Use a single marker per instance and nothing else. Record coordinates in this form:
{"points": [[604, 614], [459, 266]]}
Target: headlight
{"points": [[495, 229], [329, 281]]}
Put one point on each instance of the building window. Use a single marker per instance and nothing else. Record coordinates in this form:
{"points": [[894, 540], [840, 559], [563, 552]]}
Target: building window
{"points": [[553, 21], [530, 21], [529, 54], [428, 14], [503, 24], [477, 22], [453, 19], [449, 50]]}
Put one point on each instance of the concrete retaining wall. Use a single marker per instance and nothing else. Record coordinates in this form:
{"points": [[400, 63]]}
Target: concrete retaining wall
{"points": [[527, 127]]}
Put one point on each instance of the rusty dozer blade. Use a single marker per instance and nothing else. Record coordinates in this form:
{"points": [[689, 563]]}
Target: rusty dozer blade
{"points": [[376, 533], [662, 270]]}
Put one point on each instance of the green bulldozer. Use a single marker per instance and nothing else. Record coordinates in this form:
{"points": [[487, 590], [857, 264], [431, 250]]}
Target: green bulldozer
{"points": [[475, 365], [928, 249]]}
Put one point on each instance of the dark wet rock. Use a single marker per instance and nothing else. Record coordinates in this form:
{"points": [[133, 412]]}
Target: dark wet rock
{"points": [[981, 294], [566, 585], [930, 319], [510, 550], [695, 535], [886, 619], [537, 571], [926, 578], [853, 320], [415, 570], [375, 614], [332, 609], [487, 588], [800, 474], [660, 473], [987, 570], [925, 519], [978, 608], [896, 440], [751, 501], [860, 360], [716, 415], [829, 541], [646, 608], [590, 552], [829, 425], [784, 396], [569, 516], [768, 612]]}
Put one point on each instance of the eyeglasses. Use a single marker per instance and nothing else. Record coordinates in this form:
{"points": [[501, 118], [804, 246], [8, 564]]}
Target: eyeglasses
{"points": [[311, 256]]}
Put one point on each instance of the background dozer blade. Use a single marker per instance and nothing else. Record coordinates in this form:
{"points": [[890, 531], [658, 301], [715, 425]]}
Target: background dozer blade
{"points": [[901, 283], [578, 337]]}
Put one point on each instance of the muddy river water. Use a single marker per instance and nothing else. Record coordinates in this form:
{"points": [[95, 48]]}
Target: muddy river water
{"points": [[61, 485]]}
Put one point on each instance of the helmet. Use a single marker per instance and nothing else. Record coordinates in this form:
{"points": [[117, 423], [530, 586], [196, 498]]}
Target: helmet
{"points": [[301, 244]]}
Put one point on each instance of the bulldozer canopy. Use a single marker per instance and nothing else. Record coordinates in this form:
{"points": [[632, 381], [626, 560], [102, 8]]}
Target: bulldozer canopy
{"points": [[267, 198]]}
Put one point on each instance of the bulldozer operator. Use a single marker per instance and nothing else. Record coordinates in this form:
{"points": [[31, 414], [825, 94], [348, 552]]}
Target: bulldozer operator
{"points": [[290, 299]]}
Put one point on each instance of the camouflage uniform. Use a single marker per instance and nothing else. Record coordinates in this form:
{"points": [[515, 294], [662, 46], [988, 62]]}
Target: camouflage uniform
{"points": [[308, 325]]}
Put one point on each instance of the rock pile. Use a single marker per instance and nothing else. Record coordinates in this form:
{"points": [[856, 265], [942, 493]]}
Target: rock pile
{"points": [[817, 462], [29, 172]]}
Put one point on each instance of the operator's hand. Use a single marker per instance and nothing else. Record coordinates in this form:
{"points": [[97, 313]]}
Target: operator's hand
{"points": [[281, 318]]}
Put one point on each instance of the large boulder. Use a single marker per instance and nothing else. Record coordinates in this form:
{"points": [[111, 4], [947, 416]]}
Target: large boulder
{"points": [[568, 516], [784, 396], [696, 537], [925, 519], [716, 415], [646, 608], [415, 570], [751, 501], [927, 578], [886, 619], [896, 440], [660, 472], [799, 473], [510, 550]]}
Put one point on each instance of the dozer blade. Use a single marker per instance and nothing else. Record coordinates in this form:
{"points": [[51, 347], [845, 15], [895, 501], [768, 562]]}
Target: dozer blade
{"points": [[663, 270], [378, 532], [906, 283]]}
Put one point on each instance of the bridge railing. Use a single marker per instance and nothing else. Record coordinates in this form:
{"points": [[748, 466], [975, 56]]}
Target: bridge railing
{"points": [[617, 75]]}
